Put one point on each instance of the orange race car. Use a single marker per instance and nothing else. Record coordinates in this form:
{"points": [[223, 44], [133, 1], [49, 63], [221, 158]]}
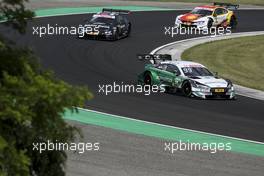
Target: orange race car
{"points": [[207, 16]]}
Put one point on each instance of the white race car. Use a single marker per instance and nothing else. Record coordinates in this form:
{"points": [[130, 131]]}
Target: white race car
{"points": [[207, 16]]}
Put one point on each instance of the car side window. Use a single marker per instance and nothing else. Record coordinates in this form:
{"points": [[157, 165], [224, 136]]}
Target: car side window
{"points": [[125, 20], [118, 19], [173, 69], [220, 11], [216, 12], [224, 11], [162, 66]]}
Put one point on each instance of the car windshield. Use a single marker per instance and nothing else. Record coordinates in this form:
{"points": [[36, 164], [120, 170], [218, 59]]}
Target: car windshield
{"points": [[203, 12], [102, 20], [196, 71]]}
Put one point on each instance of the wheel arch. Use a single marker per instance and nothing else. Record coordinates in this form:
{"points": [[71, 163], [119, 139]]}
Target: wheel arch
{"points": [[210, 18], [230, 16], [154, 76], [183, 82], [187, 81]]}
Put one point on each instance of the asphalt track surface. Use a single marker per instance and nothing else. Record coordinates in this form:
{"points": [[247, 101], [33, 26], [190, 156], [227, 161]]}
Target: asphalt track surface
{"points": [[93, 63]]}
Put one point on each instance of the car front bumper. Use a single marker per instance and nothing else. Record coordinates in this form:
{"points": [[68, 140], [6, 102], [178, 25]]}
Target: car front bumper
{"points": [[227, 94], [97, 35], [191, 25]]}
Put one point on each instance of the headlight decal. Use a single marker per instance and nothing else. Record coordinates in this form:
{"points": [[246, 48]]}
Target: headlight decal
{"points": [[200, 22]]}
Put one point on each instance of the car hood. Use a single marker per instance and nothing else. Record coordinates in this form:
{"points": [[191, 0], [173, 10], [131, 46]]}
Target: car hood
{"points": [[100, 25], [210, 81], [190, 17]]}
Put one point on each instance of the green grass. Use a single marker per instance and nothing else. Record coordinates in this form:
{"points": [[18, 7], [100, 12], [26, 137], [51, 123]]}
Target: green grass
{"points": [[252, 2], [239, 59]]}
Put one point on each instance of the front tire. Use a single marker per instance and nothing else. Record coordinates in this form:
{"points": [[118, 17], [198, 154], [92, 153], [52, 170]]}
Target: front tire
{"points": [[187, 89], [116, 35], [210, 23]]}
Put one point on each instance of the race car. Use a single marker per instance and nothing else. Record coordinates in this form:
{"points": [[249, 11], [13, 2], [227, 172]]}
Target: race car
{"points": [[208, 16], [190, 78], [110, 24]]}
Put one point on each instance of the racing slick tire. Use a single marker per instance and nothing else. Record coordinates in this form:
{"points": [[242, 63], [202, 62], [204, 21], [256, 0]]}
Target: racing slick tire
{"points": [[115, 35], [233, 22], [234, 98], [210, 23], [129, 30], [187, 89], [147, 79]]}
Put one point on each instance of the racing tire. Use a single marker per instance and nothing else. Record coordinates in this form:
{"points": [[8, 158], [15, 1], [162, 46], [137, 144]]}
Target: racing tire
{"points": [[210, 23], [234, 98], [129, 30], [116, 35], [147, 79], [187, 89], [233, 22]]}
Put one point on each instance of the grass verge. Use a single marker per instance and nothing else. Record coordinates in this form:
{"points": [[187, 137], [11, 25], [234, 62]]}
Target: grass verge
{"points": [[240, 60], [251, 2]]}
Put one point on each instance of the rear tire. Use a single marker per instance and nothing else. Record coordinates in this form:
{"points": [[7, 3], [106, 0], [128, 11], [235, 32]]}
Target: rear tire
{"points": [[129, 30], [233, 22], [147, 79], [187, 89]]}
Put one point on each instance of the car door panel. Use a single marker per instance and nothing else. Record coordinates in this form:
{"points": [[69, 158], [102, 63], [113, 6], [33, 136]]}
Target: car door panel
{"points": [[221, 15]]}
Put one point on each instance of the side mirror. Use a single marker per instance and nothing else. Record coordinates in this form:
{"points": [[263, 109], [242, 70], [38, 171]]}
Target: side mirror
{"points": [[216, 74], [214, 15], [176, 73]]}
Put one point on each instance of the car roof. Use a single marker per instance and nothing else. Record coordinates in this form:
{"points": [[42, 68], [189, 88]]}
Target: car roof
{"points": [[183, 63], [106, 14]]}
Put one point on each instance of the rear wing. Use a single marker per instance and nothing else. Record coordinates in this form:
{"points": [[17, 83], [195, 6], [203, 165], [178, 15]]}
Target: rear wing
{"points": [[154, 57], [227, 5], [124, 12]]}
